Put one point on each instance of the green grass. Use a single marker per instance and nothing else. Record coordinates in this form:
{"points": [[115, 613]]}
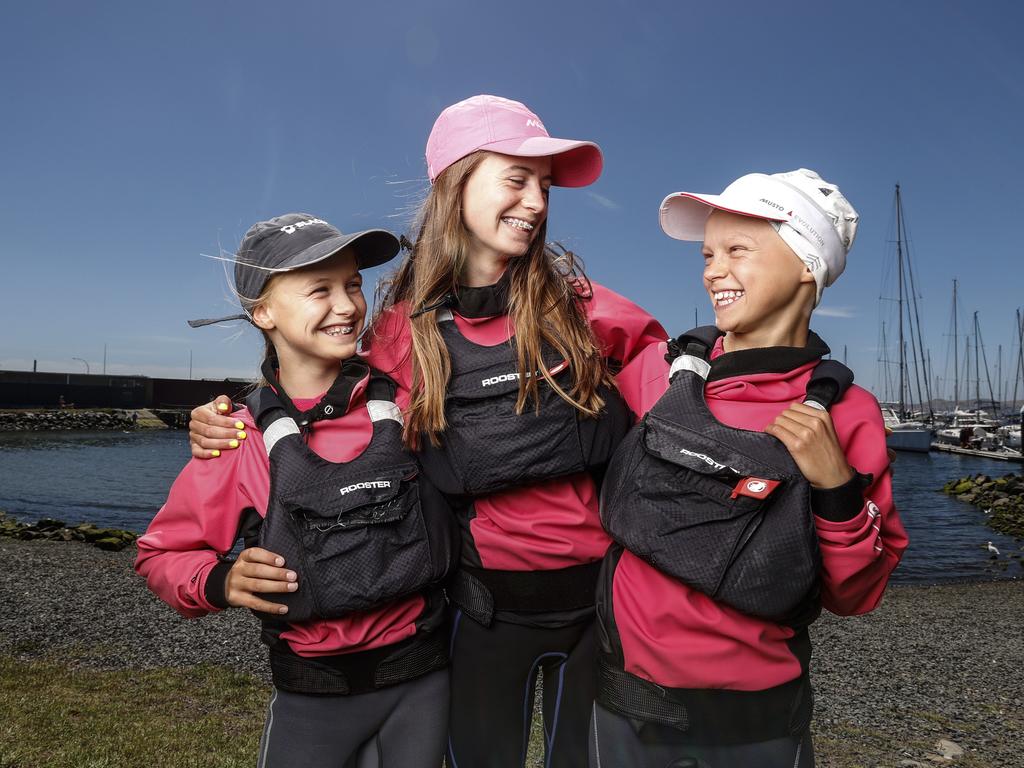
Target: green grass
{"points": [[58, 716], [54, 716]]}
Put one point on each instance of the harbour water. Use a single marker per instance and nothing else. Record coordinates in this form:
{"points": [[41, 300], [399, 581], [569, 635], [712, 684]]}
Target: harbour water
{"points": [[120, 479]]}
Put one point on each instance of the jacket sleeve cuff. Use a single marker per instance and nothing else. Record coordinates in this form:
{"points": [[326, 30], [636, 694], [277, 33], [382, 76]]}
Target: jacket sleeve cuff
{"points": [[215, 589], [842, 503]]}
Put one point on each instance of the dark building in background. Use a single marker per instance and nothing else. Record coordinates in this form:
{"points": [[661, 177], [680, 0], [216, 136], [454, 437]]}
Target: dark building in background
{"points": [[28, 389]]}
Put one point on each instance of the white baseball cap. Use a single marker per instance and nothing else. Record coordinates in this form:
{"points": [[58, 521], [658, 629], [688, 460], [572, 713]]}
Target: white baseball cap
{"points": [[810, 214]]}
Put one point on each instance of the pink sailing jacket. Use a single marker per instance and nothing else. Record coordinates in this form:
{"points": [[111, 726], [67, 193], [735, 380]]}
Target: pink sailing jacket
{"points": [[179, 555], [677, 637], [553, 524]]}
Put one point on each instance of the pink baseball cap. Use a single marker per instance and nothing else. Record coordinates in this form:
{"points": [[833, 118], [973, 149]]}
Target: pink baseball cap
{"points": [[508, 127]]}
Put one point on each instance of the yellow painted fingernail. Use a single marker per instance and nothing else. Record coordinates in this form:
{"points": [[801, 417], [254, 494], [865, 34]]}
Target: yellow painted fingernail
{"points": [[222, 407], [233, 443], [215, 453], [239, 425], [241, 435]]}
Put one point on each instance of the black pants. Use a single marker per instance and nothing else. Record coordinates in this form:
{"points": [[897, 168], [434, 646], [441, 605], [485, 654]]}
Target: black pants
{"points": [[617, 742], [402, 726], [493, 675]]}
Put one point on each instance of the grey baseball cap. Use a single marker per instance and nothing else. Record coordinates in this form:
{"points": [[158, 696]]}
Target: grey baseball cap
{"points": [[292, 241]]}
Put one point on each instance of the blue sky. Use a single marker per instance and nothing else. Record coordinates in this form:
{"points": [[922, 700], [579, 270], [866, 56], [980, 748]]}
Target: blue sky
{"points": [[136, 137]]}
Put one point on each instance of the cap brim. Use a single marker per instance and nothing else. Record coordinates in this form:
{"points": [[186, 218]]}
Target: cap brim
{"points": [[573, 163], [684, 214], [373, 247]]}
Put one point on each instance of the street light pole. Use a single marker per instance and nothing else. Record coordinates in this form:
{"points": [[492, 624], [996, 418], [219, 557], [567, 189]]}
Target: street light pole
{"points": [[85, 362]]}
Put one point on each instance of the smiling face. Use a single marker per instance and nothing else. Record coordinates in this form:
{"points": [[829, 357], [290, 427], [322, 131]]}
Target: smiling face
{"points": [[504, 203], [761, 293], [314, 315]]}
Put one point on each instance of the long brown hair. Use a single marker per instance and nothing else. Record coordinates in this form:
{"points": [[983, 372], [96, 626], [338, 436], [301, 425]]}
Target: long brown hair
{"points": [[547, 286]]}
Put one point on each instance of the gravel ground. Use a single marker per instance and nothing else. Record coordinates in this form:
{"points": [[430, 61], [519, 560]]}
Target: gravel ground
{"points": [[940, 663]]}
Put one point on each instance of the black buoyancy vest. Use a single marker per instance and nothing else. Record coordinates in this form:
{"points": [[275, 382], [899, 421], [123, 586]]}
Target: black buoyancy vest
{"points": [[488, 447], [359, 534], [723, 510]]}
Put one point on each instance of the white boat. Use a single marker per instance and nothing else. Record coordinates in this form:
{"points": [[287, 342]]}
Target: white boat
{"points": [[906, 435], [1010, 436], [971, 429]]}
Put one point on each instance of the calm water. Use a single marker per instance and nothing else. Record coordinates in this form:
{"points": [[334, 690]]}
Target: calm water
{"points": [[121, 479]]}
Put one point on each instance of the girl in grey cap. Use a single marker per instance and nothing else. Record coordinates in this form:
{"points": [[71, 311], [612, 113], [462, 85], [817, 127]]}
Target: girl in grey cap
{"points": [[339, 531]]}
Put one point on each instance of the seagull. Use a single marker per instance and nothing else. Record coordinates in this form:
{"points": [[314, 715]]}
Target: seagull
{"points": [[992, 549], [987, 511]]}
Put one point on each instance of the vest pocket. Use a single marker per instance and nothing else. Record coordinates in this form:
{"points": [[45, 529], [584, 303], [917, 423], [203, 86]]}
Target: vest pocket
{"points": [[694, 530], [491, 447], [357, 557], [677, 510]]}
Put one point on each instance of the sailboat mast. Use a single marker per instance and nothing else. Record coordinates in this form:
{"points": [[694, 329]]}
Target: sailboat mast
{"points": [[956, 354], [977, 366], [1018, 370], [999, 380], [899, 272]]}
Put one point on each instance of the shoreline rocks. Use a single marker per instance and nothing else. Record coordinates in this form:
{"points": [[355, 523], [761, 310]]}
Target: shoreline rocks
{"points": [[67, 419], [1000, 499], [109, 539]]}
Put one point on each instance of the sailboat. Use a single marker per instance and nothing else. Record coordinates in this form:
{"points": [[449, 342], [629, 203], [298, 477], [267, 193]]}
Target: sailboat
{"points": [[905, 434], [975, 432]]}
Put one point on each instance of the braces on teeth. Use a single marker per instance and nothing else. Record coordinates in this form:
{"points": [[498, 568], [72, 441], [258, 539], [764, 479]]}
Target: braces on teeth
{"points": [[518, 224]]}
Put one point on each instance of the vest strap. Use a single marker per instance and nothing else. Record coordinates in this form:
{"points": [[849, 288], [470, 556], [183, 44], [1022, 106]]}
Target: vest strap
{"points": [[689, 363], [480, 592], [380, 410], [715, 716], [828, 383], [359, 672], [282, 427]]}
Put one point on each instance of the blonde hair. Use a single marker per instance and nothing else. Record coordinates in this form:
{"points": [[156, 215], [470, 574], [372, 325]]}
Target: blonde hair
{"points": [[269, 352], [547, 288]]}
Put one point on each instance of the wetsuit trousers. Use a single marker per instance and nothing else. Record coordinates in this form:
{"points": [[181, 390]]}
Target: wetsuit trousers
{"points": [[616, 741], [494, 673], [402, 726]]}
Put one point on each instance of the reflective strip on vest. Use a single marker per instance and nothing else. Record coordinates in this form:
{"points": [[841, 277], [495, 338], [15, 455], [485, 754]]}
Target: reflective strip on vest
{"points": [[277, 430], [384, 409], [689, 363]]}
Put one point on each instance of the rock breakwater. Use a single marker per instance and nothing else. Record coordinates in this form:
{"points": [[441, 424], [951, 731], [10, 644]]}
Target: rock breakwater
{"points": [[69, 419], [1001, 499], [111, 539]]}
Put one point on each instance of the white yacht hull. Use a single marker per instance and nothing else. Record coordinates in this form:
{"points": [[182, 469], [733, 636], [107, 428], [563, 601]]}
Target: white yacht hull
{"points": [[916, 439]]}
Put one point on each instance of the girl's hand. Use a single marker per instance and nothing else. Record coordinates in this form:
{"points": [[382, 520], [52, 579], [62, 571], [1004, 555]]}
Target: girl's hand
{"points": [[213, 430], [257, 570], [811, 440]]}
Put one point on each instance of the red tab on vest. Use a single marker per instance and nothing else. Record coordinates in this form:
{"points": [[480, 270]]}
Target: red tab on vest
{"points": [[754, 487]]}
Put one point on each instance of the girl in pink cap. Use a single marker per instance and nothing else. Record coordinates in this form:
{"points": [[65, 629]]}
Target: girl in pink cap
{"points": [[504, 353], [754, 492]]}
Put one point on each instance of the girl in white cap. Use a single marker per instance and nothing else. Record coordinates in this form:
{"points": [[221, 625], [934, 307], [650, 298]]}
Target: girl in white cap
{"points": [[346, 584], [504, 354], [728, 542]]}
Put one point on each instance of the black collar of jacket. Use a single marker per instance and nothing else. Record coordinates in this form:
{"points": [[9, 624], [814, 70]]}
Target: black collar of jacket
{"points": [[485, 301], [745, 362], [333, 404]]}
